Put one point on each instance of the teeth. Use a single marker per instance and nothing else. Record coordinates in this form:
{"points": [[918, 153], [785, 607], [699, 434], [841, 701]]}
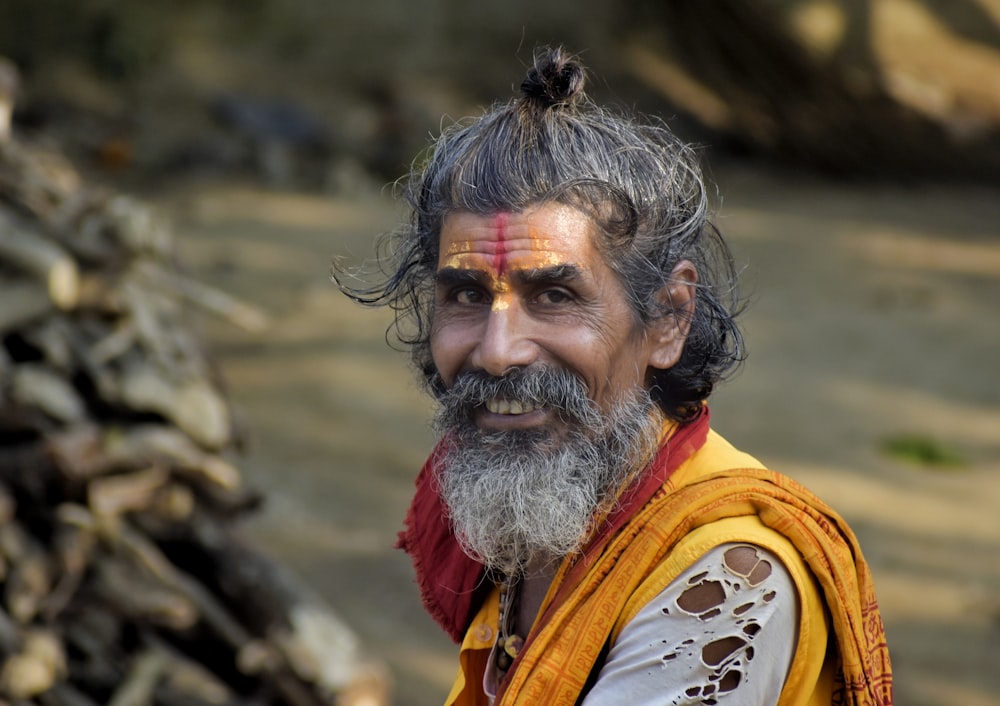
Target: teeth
{"points": [[509, 407]]}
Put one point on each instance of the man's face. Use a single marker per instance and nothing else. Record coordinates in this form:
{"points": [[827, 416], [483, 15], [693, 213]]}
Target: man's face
{"points": [[530, 288]]}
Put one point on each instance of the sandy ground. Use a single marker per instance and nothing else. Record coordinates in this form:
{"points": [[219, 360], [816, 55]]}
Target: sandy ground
{"points": [[876, 313]]}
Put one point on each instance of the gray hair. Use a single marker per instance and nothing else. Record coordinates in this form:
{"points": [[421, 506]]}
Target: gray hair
{"points": [[642, 186]]}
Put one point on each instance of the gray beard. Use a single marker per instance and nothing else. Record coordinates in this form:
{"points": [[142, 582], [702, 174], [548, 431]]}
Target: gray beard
{"points": [[520, 497]]}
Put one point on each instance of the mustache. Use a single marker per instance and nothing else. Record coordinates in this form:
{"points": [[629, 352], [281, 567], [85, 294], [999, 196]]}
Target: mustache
{"points": [[552, 388]]}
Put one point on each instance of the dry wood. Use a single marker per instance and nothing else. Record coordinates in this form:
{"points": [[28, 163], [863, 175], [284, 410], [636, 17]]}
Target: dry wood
{"points": [[24, 301], [116, 344], [74, 544], [115, 495], [54, 337], [122, 580], [29, 582], [41, 387], [8, 505], [10, 635], [42, 258], [100, 292], [24, 676], [64, 694], [242, 314], [9, 83], [138, 594], [140, 684], [192, 404], [189, 679], [43, 644], [138, 228]]}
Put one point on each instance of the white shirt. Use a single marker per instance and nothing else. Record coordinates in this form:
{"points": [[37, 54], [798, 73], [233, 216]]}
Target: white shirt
{"points": [[724, 632]]}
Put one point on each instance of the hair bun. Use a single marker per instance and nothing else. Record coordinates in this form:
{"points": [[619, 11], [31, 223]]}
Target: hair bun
{"points": [[556, 79]]}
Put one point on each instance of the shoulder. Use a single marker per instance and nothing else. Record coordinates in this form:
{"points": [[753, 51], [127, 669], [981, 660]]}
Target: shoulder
{"points": [[726, 624]]}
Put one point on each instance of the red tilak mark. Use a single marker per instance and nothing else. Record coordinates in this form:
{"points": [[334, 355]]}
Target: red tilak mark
{"points": [[500, 253]]}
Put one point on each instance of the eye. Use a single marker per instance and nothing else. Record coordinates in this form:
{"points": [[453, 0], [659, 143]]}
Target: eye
{"points": [[554, 296], [468, 295]]}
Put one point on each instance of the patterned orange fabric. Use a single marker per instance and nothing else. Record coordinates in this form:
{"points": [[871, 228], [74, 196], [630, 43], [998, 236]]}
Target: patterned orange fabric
{"points": [[588, 596]]}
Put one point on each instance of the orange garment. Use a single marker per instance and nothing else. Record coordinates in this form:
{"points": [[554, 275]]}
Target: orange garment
{"points": [[591, 598]]}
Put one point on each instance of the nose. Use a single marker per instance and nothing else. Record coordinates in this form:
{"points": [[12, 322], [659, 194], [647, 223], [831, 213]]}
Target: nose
{"points": [[506, 342]]}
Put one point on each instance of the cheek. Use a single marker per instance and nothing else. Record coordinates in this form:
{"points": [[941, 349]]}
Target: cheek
{"points": [[446, 350]]}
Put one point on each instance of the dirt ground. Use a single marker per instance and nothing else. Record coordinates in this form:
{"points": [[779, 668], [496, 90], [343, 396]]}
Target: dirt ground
{"points": [[874, 316]]}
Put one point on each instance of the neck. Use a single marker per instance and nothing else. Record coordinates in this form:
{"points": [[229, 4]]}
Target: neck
{"points": [[532, 585]]}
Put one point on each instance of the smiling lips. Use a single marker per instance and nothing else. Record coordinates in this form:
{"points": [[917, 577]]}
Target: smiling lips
{"points": [[497, 406]]}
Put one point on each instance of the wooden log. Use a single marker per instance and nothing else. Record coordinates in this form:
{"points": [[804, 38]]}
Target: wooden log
{"points": [[54, 337], [24, 301], [64, 694], [29, 575], [36, 179], [8, 505], [99, 291], [29, 582], [318, 645], [93, 633], [74, 543], [192, 404], [172, 503], [211, 299], [139, 595], [144, 553], [10, 635], [111, 496], [254, 655], [25, 676], [39, 386], [35, 667], [9, 84], [189, 681], [86, 451], [152, 442], [42, 258], [137, 227], [138, 688], [43, 644], [77, 452], [117, 343]]}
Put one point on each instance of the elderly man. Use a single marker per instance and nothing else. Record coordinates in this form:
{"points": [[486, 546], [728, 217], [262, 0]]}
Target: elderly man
{"points": [[579, 528]]}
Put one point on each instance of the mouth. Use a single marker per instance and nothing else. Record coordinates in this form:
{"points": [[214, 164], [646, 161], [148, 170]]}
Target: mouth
{"points": [[503, 414], [509, 407]]}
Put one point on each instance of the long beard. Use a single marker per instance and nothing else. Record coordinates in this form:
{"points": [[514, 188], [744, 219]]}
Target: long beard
{"points": [[517, 497]]}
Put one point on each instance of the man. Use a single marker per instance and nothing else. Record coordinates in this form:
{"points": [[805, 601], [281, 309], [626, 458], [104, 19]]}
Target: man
{"points": [[579, 528]]}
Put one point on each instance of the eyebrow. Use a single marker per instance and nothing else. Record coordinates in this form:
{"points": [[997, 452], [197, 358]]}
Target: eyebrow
{"points": [[449, 276]]}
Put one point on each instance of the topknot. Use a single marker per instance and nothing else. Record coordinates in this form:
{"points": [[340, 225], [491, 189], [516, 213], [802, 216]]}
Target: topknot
{"points": [[556, 79]]}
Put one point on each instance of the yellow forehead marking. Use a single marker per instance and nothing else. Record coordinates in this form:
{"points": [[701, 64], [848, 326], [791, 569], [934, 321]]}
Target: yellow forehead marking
{"points": [[495, 248]]}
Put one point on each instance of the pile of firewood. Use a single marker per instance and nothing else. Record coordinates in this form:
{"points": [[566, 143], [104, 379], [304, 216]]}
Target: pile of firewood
{"points": [[122, 580]]}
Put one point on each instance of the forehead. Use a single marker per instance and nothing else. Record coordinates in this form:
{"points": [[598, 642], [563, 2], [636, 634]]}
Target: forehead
{"points": [[553, 234]]}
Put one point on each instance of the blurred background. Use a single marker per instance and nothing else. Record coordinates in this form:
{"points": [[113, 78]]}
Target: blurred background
{"points": [[856, 147]]}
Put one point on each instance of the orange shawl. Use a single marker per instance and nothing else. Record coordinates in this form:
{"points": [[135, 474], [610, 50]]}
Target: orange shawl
{"points": [[587, 597]]}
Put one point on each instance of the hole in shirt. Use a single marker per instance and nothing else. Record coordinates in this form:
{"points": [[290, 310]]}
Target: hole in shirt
{"points": [[715, 653], [730, 680], [745, 561], [702, 598]]}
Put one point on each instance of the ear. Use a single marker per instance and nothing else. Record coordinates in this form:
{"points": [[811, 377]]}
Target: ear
{"points": [[677, 300]]}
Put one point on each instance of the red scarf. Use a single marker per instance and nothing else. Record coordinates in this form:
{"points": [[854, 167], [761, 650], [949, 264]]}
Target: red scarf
{"points": [[453, 585]]}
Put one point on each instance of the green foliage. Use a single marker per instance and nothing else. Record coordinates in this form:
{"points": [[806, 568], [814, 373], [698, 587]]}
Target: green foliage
{"points": [[923, 451]]}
